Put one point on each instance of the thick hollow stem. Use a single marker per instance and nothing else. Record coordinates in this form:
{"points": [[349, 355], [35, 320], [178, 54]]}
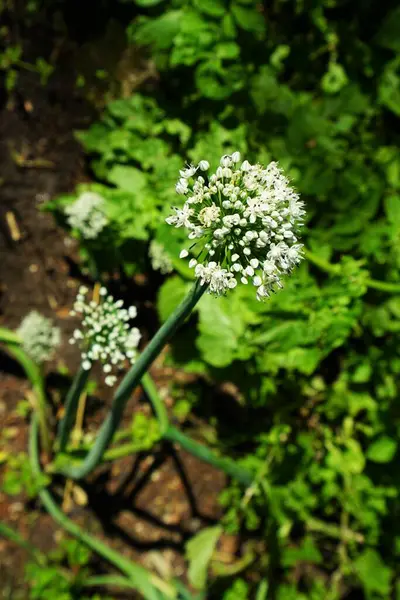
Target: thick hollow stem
{"points": [[172, 434], [131, 380], [156, 402], [144, 581], [35, 376], [71, 406], [230, 467]]}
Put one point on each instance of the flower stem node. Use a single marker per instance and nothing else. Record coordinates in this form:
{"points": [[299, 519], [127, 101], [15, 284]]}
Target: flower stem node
{"points": [[243, 220], [105, 333]]}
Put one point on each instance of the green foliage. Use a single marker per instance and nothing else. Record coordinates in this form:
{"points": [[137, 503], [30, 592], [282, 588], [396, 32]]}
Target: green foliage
{"points": [[145, 432], [315, 85], [19, 478], [12, 50], [63, 576], [199, 552]]}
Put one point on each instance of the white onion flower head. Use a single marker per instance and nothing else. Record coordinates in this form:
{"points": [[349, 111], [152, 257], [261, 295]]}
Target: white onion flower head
{"points": [[87, 215], [105, 334], [160, 261], [242, 222], [39, 337]]}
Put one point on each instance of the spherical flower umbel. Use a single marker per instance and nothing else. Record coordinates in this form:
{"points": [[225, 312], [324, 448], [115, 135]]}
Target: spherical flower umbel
{"points": [[39, 337], [87, 215], [242, 222], [105, 333]]}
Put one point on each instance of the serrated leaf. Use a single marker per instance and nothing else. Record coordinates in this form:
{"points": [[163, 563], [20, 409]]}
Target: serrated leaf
{"points": [[199, 551]]}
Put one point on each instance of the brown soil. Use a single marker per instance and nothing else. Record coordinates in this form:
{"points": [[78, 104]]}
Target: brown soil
{"points": [[145, 505]]}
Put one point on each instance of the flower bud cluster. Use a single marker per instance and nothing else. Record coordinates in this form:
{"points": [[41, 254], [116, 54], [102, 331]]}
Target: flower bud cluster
{"points": [[87, 215], [242, 222], [39, 336], [105, 334], [160, 261]]}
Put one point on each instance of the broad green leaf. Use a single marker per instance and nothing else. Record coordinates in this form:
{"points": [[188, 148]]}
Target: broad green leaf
{"points": [[158, 33], [199, 551], [374, 575], [214, 8], [127, 178], [392, 208], [220, 328], [170, 296], [382, 450], [248, 18], [307, 552]]}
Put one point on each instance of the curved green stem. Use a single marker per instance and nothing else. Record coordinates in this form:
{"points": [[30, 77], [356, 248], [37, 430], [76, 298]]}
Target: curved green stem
{"points": [[229, 466], [109, 580], [170, 433], [147, 583], [156, 402], [71, 406], [321, 263], [383, 286], [324, 265], [7, 336], [35, 376], [131, 380], [14, 536]]}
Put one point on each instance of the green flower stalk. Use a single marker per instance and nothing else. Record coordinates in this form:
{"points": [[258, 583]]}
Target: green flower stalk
{"points": [[105, 336], [34, 343], [241, 222], [131, 380]]}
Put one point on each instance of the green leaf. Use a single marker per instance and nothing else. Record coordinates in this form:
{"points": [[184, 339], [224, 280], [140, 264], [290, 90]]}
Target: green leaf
{"points": [[227, 50], [127, 178], [389, 86], [374, 575], [158, 33], [216, 81], [307, 552], [249, 19], [199, 551], [146, 3], [382, 450], [170, 295], [220, 327], [214, 8], [392, 208]]}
